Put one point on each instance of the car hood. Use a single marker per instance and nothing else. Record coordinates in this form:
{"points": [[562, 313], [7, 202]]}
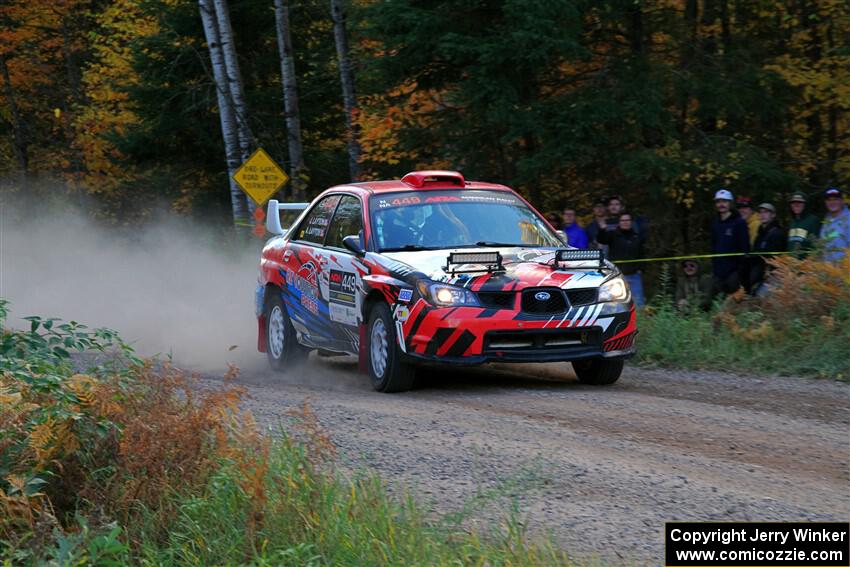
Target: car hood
{"points": [[523, 267]]}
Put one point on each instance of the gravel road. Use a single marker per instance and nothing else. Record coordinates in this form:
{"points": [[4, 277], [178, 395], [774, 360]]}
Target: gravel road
{"points": [[601, 469]]}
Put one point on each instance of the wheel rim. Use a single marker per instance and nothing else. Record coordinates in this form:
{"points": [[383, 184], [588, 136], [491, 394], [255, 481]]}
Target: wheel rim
{"points": [[379, 348], [276, 332]]}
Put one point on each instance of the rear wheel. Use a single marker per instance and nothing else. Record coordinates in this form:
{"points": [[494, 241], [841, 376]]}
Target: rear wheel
{"points": [[388, 372], [282, 348], [598, 371]]}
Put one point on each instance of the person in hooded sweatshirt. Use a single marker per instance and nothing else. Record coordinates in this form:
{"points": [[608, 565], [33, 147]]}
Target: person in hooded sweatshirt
{"points": [[729, 235], [804, 227], [770, 238]]}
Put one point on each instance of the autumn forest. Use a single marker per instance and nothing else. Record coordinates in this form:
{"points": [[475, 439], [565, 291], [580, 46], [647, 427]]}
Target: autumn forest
{"points": [[661, 101]]}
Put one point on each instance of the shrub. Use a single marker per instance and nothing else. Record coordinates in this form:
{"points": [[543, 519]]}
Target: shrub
{"points": [[109, 442], [801, 327], [136, 463]]}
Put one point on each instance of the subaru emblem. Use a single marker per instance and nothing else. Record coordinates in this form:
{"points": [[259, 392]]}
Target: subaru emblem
{"points": [[542, 296]]}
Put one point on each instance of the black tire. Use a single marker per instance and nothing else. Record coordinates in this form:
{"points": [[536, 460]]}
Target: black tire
{"points": [[396, 376], [289, 354], [598, 371]]}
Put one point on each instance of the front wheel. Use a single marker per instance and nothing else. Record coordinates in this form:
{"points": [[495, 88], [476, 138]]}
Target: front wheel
{"points": [[282, 348], [388, 372], [598, 371]]}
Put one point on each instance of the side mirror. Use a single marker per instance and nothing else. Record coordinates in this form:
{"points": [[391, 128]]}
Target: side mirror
{"points": [[563, 236], [353, 244]]}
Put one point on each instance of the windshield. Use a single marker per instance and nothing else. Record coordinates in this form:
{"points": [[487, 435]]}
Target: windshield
{"points": [[456, 219]]}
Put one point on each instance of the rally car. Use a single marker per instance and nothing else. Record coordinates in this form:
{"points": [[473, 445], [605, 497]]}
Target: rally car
{"points": [[436, 269]]}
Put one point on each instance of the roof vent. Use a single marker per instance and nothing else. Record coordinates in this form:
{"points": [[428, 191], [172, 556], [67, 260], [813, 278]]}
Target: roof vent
{"points": [[422, 179]]}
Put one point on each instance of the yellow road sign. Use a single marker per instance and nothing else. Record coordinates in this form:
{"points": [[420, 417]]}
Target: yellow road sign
{"points": [[260, 177]]}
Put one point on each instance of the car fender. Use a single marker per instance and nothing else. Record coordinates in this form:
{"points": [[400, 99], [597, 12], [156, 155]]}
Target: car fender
{"points": [[388, 286]]}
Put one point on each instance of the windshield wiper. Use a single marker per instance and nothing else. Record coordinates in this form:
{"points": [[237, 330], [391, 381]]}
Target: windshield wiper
{"points": [[408, 248], [492, 244]]}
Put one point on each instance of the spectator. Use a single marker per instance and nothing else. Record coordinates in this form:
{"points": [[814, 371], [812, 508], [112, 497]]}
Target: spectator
{"points": [[625, 243], [693, 288], [835, 231], [729, 235], [575, 234], [745, 208], [804, 225], [771, 238], [615, 208], [555, 220], [592, 230]]}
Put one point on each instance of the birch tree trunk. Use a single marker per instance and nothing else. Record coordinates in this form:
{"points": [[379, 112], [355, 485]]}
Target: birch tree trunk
{"points": [[234, 81], [238, 199], [20, 139], [290, 100], [347, 79]]}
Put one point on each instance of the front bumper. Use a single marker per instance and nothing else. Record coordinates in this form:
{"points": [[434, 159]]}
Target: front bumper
{"points": [[472, 335], [552, 356]]}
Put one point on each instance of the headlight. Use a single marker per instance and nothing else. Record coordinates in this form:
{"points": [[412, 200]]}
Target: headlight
{"points": [[614, 290], [445, 295]]}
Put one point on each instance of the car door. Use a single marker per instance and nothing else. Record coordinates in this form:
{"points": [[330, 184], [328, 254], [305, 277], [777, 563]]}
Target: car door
{"points": [[340, 283], [303, 262]]}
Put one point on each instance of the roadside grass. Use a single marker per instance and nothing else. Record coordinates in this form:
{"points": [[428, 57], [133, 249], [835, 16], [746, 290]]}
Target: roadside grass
{"points": [[801, 328], [133, 464]]}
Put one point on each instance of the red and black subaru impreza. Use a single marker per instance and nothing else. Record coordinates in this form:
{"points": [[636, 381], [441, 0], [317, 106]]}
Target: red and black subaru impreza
{"points": [[433, 268]]}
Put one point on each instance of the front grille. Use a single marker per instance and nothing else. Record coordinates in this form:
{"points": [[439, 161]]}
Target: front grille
{"points": [[555, 303], [541, 340], [582, 296], [496, 299]]}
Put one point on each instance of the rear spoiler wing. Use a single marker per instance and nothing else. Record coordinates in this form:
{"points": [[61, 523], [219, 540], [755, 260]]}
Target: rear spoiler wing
{"points": [[273, 214]]}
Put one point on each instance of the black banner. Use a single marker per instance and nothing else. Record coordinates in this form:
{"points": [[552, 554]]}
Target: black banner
{"points": [[757, 544]]}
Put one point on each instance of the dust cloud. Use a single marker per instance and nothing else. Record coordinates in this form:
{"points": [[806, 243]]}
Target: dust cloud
{"points": [[173, 287]]}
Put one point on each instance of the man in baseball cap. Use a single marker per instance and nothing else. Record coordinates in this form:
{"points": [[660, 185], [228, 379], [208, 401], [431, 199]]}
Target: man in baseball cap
{"points": [[724, 195], [729, 235], [804, 227], [745, 207], [835, 231]]}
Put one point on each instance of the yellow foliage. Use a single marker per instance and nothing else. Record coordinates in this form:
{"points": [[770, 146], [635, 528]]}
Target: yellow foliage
{"points": [[382, 117], [107, 109]]}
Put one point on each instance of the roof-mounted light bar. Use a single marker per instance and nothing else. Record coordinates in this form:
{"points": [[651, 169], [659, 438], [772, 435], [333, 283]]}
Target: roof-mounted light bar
{"points": [[563, 256], [422, 179], [464, 262]]}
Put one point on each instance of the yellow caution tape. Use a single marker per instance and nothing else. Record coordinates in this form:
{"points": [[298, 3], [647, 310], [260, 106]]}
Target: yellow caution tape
{"points": [[702, 256]]}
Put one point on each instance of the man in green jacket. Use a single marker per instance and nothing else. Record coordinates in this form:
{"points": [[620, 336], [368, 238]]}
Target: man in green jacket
{"points": [[804, 227]]}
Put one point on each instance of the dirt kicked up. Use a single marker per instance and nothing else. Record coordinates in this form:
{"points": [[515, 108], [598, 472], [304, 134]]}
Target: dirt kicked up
{"points": [[602, 469]]}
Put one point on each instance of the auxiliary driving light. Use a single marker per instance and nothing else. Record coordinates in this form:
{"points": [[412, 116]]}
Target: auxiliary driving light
{"points": [[480, 261], [578, 255]]}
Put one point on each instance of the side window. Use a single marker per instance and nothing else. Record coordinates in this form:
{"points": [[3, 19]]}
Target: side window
{"points": [[315, 226], [347, 221]]}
